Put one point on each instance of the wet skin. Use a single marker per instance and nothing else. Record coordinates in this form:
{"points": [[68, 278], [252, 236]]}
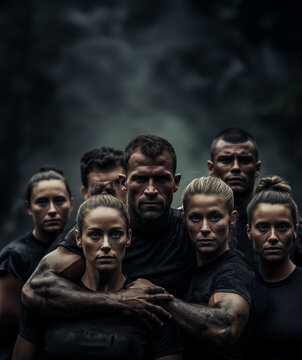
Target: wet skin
{"points": [[50, 207], [104, 239], [236, 164], [208, 222], [150, 185]]}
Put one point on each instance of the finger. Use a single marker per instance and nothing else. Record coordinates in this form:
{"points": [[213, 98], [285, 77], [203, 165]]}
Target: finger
{"points": [[157, 298], [159, 312], [155, 289]]}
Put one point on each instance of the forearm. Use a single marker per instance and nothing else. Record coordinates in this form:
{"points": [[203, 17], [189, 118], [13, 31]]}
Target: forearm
{"points": [[202, 322]]}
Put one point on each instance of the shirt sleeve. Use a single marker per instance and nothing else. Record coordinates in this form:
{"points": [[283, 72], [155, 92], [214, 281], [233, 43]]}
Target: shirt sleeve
{"points": [[11, 262], [166, 340], [235, 278], [69, 242]]}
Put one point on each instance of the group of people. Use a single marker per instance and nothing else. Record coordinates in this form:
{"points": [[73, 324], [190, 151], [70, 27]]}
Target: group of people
{"points": [[134, 278]]}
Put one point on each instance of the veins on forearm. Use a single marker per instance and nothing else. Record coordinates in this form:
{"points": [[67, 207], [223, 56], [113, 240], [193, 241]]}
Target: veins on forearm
{"points": [[203, 322]]}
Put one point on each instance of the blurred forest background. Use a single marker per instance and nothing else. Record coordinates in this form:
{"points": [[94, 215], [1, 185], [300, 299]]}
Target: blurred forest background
{"points": [[76, 75]]}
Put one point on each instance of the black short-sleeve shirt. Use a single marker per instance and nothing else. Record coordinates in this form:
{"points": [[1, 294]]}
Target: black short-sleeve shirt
{"points": [[107, 336], [167, 258], [229, 273]]}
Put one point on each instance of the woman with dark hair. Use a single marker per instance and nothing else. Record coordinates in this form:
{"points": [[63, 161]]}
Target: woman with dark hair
{"points": [[272, 226], [104, 233], [49, 202]]}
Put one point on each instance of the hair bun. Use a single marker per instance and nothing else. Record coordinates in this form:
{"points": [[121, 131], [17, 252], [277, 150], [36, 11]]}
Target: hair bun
{"points": [[101, 188], [274, 183], [45, 168]]}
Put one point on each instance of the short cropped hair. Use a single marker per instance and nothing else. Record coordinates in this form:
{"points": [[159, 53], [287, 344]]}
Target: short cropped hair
{"points": [[103, 158], [234, 136], [151, 146], [208, 185]]}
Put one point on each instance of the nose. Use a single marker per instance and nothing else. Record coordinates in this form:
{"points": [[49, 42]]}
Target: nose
{"points": [[151, 189], [105, 246], [273, 236], [235, 166], [204, 227], [52, 209]]}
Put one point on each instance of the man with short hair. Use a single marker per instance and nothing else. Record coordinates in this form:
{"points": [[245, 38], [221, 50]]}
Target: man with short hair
{"points": [[160, 249], [234, 159]]}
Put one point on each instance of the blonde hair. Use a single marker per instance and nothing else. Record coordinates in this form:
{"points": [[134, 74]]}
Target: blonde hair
{"points": [[208, 185]]}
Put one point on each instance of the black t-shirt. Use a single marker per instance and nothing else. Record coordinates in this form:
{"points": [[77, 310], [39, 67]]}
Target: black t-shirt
{"points": [[239, 240], [229, 273], [21, 256], [277, 326], [167, 259], [108, 337]]}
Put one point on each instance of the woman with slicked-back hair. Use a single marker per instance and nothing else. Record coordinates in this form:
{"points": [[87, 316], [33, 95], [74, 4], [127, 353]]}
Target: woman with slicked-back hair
{"points": [[272, 226]]}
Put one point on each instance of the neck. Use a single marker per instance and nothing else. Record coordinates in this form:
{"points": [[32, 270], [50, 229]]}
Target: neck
{"points": [[207, 258], [105, 281], [276, 271], [241, 203], [43, 236], [149, 225]]}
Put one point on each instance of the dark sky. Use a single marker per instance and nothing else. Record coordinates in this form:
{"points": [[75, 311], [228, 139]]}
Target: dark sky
{"points": [[79, 75]]}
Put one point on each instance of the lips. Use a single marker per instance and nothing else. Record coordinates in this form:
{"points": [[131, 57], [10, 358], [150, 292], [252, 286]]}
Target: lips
{"points": [[53, 222], [234, 180], [105, 259]]}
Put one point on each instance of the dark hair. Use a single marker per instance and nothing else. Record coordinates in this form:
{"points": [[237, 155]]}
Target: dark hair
{"points": [[272, 190], [234, 136], [100, 188], [46, 172], [103, 158], [103, 200], [151, 146]]}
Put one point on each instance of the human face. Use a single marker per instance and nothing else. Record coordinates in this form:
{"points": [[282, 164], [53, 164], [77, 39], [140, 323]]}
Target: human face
{"points": [[107, 177], [235, 164], [272, 231], [50, 206], [208, 222], [150, 184], [104, 239]]}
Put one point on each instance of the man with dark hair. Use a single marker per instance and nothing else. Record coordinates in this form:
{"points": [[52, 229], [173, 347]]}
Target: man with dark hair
{"points": [[160, 250], [102, 165], [234, 159]]}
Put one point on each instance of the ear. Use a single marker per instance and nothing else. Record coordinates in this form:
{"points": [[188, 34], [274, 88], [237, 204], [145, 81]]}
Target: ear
{"points": [[78, 238], [71, 204], [296, 229], [129, 237], [233, 218], [84, 192], [258, 168], [27, 207], [123, 180], [210, 167], [249, 232], [177, 178]]}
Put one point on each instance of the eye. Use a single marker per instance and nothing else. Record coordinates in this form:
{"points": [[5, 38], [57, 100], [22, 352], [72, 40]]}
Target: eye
{"points": [[162, 179], [225, 159], [262, 227], [94, 235], [116, 234], [42, 202], [140, 179], [245, 160], [283, 226], [60, 200], [215, 217], [195, 218]]}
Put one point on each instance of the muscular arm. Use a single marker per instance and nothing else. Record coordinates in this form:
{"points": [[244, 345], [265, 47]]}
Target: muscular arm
{"points": [[220, 323], [50, 290]]}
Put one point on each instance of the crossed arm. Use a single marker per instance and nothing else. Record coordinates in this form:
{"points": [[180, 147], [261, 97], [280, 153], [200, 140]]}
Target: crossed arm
{"points": [[50, 289]]}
